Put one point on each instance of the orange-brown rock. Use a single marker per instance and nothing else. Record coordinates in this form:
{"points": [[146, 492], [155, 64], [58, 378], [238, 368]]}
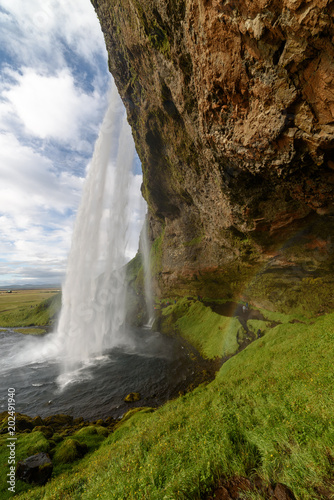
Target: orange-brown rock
{"points": [[231, 104]]}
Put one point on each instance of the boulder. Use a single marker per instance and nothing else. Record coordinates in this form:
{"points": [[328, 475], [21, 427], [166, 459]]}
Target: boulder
{"points": [[35, 469], [132, 397], [23, 422]]}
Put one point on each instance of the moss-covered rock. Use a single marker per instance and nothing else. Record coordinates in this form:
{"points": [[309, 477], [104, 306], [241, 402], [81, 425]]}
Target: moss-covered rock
{"points": [[47, 431], [32, 443], [132, 397], [37, 421], [23, 422], [58, 421], [69, 451]]}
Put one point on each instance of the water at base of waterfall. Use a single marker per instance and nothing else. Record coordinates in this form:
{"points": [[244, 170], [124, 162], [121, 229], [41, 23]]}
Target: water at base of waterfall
{"points": [[155, 366]]}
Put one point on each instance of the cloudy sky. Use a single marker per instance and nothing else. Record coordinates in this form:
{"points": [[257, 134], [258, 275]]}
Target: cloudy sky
{"points": [[53, 96]]}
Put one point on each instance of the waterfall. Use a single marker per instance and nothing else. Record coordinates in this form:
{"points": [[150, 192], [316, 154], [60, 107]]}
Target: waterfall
{"points": [[145, 249], [93, 299]]}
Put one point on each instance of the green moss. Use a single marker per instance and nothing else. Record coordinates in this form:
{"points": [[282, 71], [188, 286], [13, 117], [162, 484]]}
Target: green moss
{"points": [[211, 334], [87, 431], [156, 254], [159, 38], [46, 431], [30, 444], [132, 397], [255, 324], [195, 241], [292, 294], [69, 451]]}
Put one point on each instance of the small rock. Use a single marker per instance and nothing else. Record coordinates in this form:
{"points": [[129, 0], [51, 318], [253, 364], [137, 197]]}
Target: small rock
{"points": [[132, 397], [282, 492], [35, 469]]}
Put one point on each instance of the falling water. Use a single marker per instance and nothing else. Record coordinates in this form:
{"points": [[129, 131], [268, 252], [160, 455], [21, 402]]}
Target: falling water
{"points": [[93, 304], [144, 240]]}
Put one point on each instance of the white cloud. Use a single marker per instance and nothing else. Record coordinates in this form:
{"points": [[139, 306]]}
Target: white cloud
{"points": [[35, 30], [50, 106], [52, 100], [29, 183]]}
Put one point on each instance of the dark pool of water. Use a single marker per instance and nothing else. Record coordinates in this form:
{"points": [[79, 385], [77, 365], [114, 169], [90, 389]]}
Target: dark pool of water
{"points": [[155, 366]]}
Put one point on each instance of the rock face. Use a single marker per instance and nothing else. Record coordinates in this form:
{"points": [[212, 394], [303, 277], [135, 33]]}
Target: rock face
{"points": [[232, 110]]}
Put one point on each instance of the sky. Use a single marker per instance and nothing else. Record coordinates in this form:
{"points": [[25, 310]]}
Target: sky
{"points": [[54, 82]]}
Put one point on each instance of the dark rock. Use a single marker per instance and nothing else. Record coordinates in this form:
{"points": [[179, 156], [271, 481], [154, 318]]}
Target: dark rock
{"points": [[23, 422], [282, 492], [35, 469]]}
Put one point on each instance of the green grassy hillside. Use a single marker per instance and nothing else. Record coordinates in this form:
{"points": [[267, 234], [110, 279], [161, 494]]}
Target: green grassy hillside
{"points": [[29, 308], [269, 413]]}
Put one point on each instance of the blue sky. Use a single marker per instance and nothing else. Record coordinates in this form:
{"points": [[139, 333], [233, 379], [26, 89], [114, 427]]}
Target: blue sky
{"points": [[53, 95]]}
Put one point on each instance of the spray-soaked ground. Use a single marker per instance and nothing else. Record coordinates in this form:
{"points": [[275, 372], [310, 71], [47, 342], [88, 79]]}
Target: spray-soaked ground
{"points": [[151, 364]]}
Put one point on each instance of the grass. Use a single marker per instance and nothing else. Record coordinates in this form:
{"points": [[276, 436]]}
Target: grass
{"points": [[26, 445], [29, 308], [211, 334], [270, 412], [90, 438]]}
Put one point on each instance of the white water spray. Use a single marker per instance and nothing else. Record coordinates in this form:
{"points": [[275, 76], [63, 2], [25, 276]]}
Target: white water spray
{"points": [[145, 248], [93, 303]]}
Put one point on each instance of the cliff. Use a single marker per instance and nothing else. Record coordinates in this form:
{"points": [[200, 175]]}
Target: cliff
{"points": [[232, 110]]}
